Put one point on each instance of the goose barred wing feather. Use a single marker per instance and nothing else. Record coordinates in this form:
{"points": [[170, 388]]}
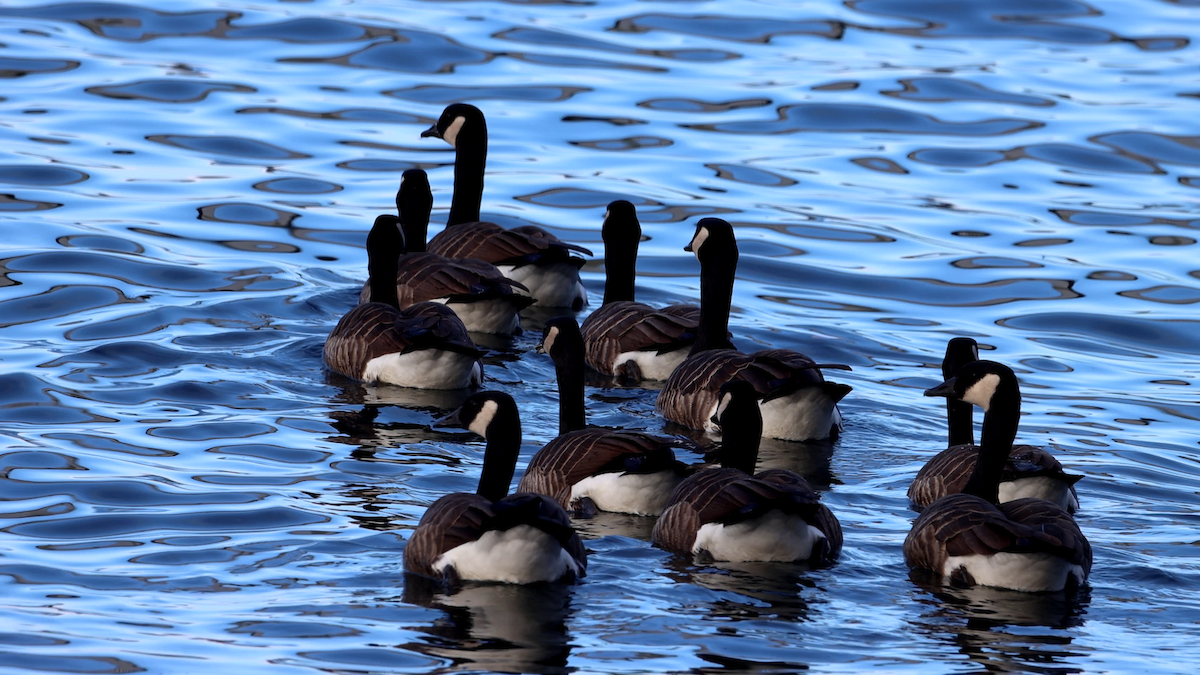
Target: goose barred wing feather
{"points": [[433, 325], [948, 471], [689, 313], [575, 455], [545, 514], [962, 525], [451, 521], [364, 333], [494, 244], [691, 392], [427, 276], [730, 496], [628, 326], [461, 517], [1056, 525]]}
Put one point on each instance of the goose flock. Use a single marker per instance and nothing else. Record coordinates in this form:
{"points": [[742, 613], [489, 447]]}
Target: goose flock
{"points": [[993, 514]]}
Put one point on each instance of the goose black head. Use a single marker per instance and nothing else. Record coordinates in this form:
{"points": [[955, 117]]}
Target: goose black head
{"points": [[959, 352], [385, 236], [978, 383], [713, 238], [737, 399], [414, 192], [483, 413], [456, 118], [621, 226], [560, 337], [740, 420]]}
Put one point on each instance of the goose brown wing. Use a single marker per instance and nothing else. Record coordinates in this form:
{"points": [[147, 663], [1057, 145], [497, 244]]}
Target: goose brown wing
{"points": [[1056, 527], [431, 325], [690, 393], [945, 473], [451, 521], [364, 333], [543, 513], [961, 525], [427, 276], [494, 244], [948, 471], [575, 455], [628, 326], [690, 313], [729, 496]]}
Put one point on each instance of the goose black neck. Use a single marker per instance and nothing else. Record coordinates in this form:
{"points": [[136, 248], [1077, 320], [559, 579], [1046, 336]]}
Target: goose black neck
{"points": [[500, 457], [414, 217], [960, 423], [996, 441], [470, 158], [716, 295], [567, 353], [741, 435], [620, 263], [959, 414], [385, 244]]}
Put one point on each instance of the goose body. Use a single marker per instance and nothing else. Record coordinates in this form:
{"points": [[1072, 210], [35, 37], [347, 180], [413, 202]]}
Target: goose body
{"points": [[1029, 471], [628, 339], [492, 536], [477, 292], [595, 468], [732, 515], [795, 400], [967, 538], [529, 254], [423, 345]]}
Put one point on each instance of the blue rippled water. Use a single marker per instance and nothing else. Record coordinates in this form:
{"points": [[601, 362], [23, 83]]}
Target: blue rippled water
{"points": [[185, 189]]}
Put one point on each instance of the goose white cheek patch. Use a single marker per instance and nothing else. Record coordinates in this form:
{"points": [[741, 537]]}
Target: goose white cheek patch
{"points": [[548, 341], [483, 419], [722, 405], [698, 241], [451, 133], [981, 392]]}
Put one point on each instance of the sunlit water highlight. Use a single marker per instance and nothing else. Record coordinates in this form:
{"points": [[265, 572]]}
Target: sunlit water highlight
{"points": [[184, 195]]}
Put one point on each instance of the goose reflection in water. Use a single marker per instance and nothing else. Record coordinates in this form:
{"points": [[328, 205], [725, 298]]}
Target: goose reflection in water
{"points": [[504, 628], [979, 620], [748, 591]]}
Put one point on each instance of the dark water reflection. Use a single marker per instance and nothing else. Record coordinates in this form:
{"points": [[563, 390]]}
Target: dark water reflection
{"points": [[183, 204]]}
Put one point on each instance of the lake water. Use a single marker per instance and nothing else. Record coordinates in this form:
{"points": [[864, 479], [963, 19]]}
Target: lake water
{"points": [[184, 195]]}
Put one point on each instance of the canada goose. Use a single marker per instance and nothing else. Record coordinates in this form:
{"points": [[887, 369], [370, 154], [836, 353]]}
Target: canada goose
{"points": [[590, 469], [735, 515], [797, 403], [628, 339], [485, 300], [527, 254], [967, 538], [1029, 472], [424, 345], [523, 538]]}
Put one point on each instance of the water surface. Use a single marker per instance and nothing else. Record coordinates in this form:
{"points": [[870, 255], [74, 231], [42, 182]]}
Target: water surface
{"points": [[185, 190]]}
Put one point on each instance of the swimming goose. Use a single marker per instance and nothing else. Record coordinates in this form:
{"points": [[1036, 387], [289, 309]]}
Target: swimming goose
{"points": [[589, 469], [628, 339], [735, 515], [424, 345], [527, 254], [797, 403], [968, 538], [1029, 472], [522, 538], [485, 300]]}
